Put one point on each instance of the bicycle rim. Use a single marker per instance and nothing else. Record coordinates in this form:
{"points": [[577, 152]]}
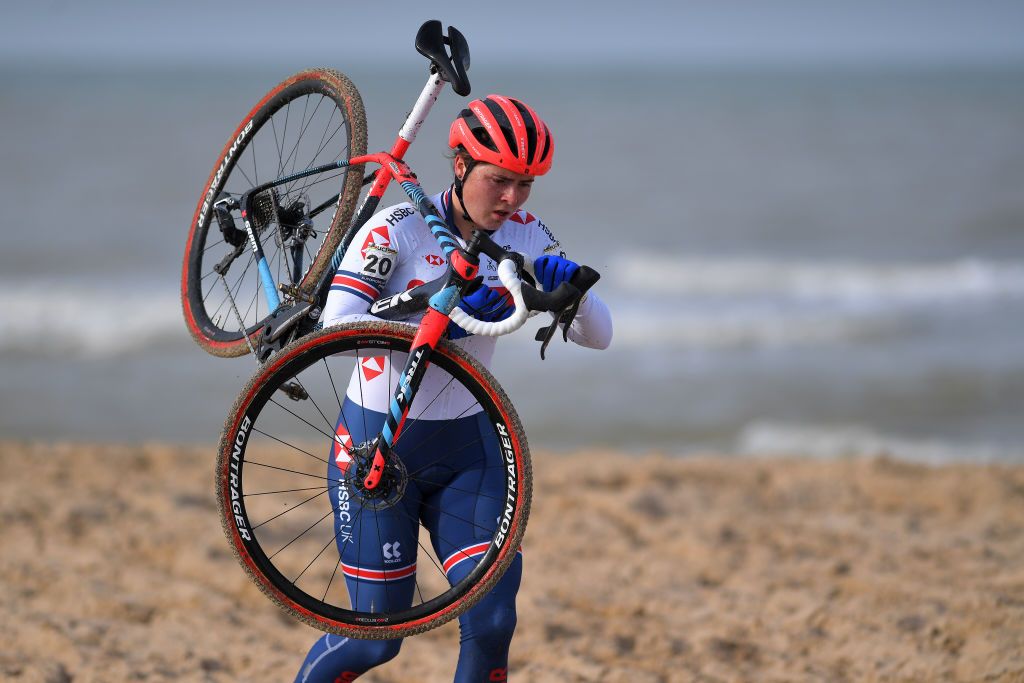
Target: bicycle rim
{"points": [[312, 118], [312, 540]]}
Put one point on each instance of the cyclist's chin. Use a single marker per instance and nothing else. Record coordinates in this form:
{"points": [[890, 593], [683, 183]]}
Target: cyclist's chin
{"points": [[494, 220]]}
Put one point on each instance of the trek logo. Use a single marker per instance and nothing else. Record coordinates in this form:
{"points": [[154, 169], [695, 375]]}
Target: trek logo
{"points": [[220, 171], [385, 304], [505, 522], [407, 380], [398, 214], [434, 259], [391, 552], [236, 462]]}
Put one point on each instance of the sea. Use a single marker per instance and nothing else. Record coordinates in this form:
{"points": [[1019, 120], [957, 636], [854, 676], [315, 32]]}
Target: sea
{"points": [[815, 260]]}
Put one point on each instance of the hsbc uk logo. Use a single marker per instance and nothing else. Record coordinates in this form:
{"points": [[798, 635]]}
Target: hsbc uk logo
{"points": [[392, 552], [434, 259], [378, 237], [372, 367]]}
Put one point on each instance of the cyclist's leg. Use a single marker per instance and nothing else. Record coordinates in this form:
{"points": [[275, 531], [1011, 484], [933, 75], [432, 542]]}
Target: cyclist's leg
{"points": [[377, 551], [461, 517]]}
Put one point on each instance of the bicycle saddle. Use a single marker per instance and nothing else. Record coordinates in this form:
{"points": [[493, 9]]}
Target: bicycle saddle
{"points": [[453, 63]]}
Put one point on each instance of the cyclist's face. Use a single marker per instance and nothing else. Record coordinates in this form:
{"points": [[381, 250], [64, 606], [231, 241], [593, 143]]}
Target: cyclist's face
{"points": [[493, 194]]}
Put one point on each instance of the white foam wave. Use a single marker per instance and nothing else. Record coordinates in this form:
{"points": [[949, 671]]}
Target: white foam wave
{"points": [[742, 327], [49, 318], [837, 441], [836, 281]]}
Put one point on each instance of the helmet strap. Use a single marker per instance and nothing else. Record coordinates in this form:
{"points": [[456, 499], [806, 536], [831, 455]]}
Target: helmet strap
{"points": [[470, 164]]}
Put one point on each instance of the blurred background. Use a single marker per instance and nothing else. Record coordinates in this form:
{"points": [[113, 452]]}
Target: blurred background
{"points": [[809, 216]]}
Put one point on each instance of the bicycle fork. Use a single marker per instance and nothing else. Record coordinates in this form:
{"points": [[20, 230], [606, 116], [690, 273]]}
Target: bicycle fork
{"points": [[464, 267]]}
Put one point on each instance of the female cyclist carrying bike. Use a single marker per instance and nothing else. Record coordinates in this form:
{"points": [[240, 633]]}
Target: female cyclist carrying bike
{"points": [[500, 145]]}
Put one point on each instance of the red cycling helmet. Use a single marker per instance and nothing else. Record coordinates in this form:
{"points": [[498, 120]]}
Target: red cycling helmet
{"points": [[505, 132]]}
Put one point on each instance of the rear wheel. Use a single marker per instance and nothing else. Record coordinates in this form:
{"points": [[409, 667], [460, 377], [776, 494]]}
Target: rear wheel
{"points": [[313, 118], [419, 550]]}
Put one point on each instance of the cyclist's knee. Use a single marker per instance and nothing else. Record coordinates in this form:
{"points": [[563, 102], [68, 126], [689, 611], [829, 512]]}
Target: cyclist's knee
{"points": [[376, 652], [345, 659], [490, 628]]}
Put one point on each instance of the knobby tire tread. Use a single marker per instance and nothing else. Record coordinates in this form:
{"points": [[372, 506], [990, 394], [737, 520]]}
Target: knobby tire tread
{"points": [[512, 545], [349, 196]]}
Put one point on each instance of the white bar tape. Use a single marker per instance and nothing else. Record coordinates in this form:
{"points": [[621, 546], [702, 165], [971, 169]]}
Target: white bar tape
{"points": [[510, 279]]}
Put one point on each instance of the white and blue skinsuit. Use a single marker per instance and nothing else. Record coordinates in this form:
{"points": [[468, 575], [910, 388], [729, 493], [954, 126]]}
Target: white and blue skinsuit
{"points": [[452, 494]]}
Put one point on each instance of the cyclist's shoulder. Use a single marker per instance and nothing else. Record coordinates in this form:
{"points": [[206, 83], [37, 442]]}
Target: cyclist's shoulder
{"points": [[393, 227], [400, 217], [526, 227]]}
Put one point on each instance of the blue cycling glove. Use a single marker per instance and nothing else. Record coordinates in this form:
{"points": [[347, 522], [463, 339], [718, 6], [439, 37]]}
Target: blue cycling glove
{"points": [[483, 303], [552, 271]]}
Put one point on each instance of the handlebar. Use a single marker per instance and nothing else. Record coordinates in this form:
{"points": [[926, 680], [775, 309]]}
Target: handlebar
{"points": [[528, 299]]}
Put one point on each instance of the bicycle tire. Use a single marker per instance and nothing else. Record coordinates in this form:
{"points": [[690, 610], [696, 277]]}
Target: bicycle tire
{"points": [[256, 446], [325, 103]]}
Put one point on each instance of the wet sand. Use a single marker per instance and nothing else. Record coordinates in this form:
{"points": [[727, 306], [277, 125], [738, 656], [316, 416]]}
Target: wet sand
{"points": [[113, 568]]}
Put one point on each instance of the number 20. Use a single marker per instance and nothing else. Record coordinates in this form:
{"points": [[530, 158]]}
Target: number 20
{"points": [[377, 264]]}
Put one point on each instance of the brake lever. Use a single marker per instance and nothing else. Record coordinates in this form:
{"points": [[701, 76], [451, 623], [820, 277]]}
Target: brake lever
{"points": [[566, 315], [584, 279], [544, 336]]}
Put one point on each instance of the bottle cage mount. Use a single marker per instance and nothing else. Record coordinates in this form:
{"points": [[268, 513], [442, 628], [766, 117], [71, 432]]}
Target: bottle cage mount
{"points": [[452, 63]]}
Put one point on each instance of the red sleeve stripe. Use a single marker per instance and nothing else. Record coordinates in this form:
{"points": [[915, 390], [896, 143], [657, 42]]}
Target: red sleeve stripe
{"points": [[359, 285], [466, 554], [378, 574]]}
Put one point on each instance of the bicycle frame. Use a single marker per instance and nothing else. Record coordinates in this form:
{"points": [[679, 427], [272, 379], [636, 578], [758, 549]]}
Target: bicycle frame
{"points": [[442, 299], [464, 265], [381, 180]]}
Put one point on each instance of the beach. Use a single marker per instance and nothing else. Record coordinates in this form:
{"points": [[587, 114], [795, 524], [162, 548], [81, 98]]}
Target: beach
{"points": [[638, 568]]}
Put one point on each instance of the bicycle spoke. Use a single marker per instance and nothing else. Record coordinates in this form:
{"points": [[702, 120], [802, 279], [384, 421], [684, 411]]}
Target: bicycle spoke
{"points": [[380, 542], [330, 437], [329, 543], [425, 408], [447, 455], [449, 487], [454, 516], [447, 423], [302, 131], [338, 564], [313, 401], [362, 399], [446, 540], [307, 488], [285, 443], [316, 523], [285, 469], [291, 509]]}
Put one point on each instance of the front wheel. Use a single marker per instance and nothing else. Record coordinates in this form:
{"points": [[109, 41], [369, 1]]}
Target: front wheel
{"points": [[429, 541], [310, 119]]}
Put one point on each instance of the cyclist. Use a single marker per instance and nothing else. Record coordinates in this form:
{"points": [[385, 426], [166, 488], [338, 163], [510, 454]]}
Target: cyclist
{"points": [[499, 145]]}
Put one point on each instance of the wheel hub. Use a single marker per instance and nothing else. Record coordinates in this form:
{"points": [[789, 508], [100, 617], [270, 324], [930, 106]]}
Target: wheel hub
{"points": [[389, 489]]}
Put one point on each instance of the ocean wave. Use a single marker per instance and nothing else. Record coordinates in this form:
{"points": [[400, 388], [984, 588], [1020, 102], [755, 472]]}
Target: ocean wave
{"points": [[52, 318], [837, 441], [741, 328], [848, 282]]}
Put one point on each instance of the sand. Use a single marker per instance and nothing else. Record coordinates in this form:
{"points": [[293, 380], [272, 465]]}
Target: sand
{"points": [[113, 568]]}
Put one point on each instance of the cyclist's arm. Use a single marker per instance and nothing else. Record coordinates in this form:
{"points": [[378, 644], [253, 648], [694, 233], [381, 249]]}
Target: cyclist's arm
{"points": [[592, 326], [365, 270]]}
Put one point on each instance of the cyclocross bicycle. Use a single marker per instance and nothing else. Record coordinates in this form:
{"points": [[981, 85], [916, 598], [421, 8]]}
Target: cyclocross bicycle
{"points": [[265, 241]]}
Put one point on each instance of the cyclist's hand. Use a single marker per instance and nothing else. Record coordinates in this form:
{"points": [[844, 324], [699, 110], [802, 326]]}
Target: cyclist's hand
{"points": [[483, 303], [552, 271]]}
